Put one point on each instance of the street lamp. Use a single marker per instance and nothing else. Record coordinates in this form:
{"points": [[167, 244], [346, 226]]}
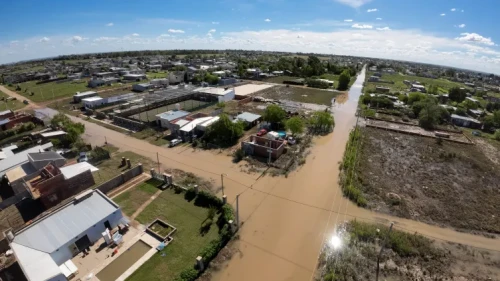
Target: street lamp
{"points": [[222, 182]]}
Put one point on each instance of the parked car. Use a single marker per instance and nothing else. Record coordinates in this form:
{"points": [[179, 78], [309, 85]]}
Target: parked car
{"points": [[262, 132], [174, 142], [83, 157]]}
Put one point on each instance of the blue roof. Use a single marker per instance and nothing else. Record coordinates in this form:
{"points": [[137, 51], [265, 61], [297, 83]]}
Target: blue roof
{"points": [[248, 117], [172, 115]]}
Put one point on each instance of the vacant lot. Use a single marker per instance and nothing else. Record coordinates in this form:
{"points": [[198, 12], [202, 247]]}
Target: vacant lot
{"points": [[174, 209], [9, 104], [447, 184], [50, 91], [332, 77], [110, 168], [132, 199], [303, 94], [406, 257], [443, 84]]}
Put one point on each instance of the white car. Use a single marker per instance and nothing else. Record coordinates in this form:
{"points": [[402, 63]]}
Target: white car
{"points": [[174, 142], [291, 140]]}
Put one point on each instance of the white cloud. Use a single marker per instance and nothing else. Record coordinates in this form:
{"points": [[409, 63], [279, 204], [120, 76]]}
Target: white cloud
{"points": [[453, 9], [104, 39], [443, 14], [300, 36], [383, 28], [215, 22], [371, 10], [110, 24], [362, 26], [461, 25], [135, 34], [476, 38], [44, 40], [267, 20], [77, 39], [354, 3], [462, 11], [348, 20], [378, 18], [212, 30], [176, 31]]}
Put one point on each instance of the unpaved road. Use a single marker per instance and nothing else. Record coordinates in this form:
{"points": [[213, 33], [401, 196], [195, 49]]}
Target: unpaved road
{"points": [[284, 220], [18, 97]]}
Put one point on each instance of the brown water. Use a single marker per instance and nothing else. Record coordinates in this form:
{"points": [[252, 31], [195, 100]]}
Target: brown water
{"points": [[285, 220], [123, 262]]}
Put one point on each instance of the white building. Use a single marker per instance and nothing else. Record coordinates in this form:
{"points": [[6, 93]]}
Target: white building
{"points": [[79, 96], [44, 247], [93, 102], [220, 93]]}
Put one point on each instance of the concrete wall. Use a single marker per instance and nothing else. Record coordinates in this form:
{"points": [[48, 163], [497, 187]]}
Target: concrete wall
{"points": [[258, 146], [120, 179], [227, 97]]}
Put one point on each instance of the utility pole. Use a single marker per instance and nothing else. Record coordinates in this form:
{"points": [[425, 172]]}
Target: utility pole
{"points": [[222, 182], [238, 210], [382, 249], [158, 159], [105, 140]]}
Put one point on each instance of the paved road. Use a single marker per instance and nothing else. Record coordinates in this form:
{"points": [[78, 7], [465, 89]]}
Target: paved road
{"points": [[284, 220]]}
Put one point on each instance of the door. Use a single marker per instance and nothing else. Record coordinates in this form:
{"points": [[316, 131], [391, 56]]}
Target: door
{"points": [[83, 243], [107, 225]]}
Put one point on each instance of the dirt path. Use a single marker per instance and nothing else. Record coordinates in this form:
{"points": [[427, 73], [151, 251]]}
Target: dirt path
{"points": [[19, 97], [145, 204]]}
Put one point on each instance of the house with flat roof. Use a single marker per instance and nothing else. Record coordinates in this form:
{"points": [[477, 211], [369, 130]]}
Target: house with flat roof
{"points": [[46, 244], [221, 94], [21, 158], [79, 96], [464, 121], [93, 102], [250, 119]]}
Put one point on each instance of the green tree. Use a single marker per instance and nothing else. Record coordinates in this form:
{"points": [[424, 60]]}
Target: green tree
{"points": [[428, 117], [488, 123], [321, 122], [295, 125], [468, 104], [221, 104], [344, 79], [460, 111], [456, 94], [224, 132], [496, 118], [403, 98], [414, 97], [496, 136], [433, 89], [274, 114]]}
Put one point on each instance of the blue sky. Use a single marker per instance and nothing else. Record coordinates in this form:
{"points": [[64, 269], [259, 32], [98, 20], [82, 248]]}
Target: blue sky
{"points": [[456, 33]]}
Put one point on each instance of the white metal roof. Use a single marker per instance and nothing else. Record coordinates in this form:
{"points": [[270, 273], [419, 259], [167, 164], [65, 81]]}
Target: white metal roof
{"points": [[91, 99], [36, 265], [213, 91], [209, 122], [191, 125], [85, 93], [63, 225], [52, 134], [76, 169], [249, 89]]}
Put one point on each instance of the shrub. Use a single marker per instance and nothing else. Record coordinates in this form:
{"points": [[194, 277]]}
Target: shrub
{"points": [[206, 199], [210, 251], [496, 136], [189, 274], [238, 155], [190, 194], [211, 213]]}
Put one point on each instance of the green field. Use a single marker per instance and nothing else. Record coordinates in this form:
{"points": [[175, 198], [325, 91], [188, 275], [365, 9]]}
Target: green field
{"points": [[303, 94], [335, 78], [172, 208], [12, 104], [280, 79], [155, 75], [50, 91], [443, 84], [189, 105]]}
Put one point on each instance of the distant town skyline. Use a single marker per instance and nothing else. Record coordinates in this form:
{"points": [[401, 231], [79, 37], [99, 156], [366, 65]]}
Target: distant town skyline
{"points": [[452, 33]]}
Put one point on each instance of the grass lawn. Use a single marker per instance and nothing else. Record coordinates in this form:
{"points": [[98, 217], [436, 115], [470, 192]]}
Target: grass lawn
{"points": [[12, 104], [443, 84], [50, 91], [132, 199], [279, 79], [188, 242], [152, 136], [110, 168]]}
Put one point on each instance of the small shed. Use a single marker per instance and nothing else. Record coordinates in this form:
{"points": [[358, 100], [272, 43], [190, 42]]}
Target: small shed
{"points": [[79, 96], [141, 87], [92, 102], [250, 119]]}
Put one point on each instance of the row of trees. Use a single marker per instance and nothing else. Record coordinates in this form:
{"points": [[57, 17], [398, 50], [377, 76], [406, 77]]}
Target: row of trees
{"points": [[319, 122]]}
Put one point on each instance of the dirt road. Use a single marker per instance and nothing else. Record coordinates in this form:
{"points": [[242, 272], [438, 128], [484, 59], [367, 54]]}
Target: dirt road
{"points": [[284, 220], [19, 98]]}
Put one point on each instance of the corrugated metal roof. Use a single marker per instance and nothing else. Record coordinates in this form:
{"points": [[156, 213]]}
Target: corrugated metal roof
{"points": [[66, 223], [20, 158], [76, 169], [54, 133], [248, 117], [191, 125], [36, 265]]}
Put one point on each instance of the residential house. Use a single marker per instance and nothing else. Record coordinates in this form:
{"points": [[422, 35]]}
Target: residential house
{"points": [[165, 119], [93, 102], [221, 94], [250, 119], [263, 147], [227, 81], [418, 88], [52, 240], [141, 87], [134, 77], [373, 79], [97, 82], [464, 121], [13, 120], [176, 77]]}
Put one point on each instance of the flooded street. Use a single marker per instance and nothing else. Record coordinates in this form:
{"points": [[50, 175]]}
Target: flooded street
{"points": [[284, 220]]}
